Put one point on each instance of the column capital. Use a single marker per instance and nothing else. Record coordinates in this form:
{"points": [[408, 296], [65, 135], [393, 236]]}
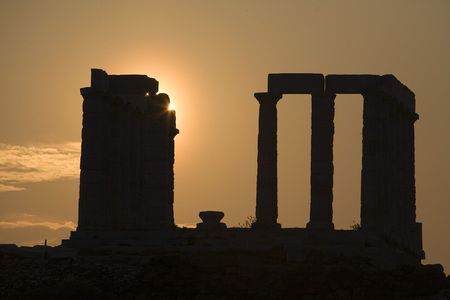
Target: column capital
{"points": [[268, 98]]}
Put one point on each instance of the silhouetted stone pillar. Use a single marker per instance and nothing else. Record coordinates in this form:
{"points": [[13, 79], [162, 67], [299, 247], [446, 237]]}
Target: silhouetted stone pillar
{"points": [[126, 179], [322, 127], [385, 206], [414, 229], [396, 196], [410, 167], [171, 150], [90, 214], [266, 194], [158, 159], [371, 162]]}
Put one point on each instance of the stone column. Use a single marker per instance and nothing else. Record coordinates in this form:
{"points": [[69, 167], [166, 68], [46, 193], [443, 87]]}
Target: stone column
{"points": [[396, 195], [409, 172], [414, 229], [322, 127], [405, 214], [384, 205], [371, 162], [91, 176], [173, 131], [266, 186]]}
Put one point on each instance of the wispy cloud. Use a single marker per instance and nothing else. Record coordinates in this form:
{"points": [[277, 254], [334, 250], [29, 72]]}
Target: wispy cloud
{"points": [[10, 188], [11, 221], [21, 164], [48, 224], [29, 229]]}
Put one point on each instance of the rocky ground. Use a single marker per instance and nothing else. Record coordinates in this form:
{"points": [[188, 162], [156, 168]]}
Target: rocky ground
{"points": [[219, 275]]}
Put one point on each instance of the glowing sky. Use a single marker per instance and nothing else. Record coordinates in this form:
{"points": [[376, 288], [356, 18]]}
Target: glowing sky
{"points": [[210, 57]]}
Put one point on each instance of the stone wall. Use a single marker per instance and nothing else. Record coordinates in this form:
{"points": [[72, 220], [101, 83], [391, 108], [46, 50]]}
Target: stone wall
{"points": [[127, 155]]}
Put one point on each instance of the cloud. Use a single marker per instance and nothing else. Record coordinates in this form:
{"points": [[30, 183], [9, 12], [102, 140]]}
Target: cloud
{"points": [[50, 225], [29, 229], [30, 220], [22, 164], [10, 188]]}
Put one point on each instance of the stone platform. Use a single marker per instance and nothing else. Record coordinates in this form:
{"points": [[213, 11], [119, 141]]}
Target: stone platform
{"points": [[296, 242]]}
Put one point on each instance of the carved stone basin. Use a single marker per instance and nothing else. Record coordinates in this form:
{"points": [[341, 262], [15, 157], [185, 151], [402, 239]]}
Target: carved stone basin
{"points": [[211, 217]]}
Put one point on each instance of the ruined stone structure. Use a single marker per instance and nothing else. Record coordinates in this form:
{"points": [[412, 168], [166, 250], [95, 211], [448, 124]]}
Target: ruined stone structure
{"points": [[388, 184], [127, 155], [126, 181]]}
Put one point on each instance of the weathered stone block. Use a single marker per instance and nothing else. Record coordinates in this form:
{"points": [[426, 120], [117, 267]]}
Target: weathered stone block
{"points": [[351, 84], [99, 80], [393, 87], [132, 84], [296, 83]]}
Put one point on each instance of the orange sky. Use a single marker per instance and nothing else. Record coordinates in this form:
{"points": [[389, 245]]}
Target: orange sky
{"points": [[210, 57]]}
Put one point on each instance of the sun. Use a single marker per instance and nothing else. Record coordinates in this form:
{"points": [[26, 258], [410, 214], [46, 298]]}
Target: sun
{"points": [[171, 106]]}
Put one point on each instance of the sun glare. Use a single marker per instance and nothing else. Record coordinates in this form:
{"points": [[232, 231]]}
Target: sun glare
{"points": [[171, 106]]}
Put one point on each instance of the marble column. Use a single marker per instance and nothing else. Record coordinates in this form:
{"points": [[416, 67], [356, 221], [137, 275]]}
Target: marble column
{"points": [[405, 215], [267, 190], [385, 206], [414, 229], [322, 132], [371, 162], [91, 180], [173, 131], [410, 166]]}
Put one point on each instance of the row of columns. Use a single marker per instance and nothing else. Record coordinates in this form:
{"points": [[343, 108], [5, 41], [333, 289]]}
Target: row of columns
{"points": [[387, 187], [322, 127]]}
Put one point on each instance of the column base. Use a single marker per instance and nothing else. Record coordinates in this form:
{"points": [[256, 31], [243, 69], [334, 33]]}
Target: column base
{"points": [[319, 226], [265, 226]]}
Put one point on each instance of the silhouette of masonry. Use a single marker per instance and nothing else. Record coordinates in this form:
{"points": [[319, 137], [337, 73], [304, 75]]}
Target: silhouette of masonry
{"points": [[388, 183], [126, 180]]}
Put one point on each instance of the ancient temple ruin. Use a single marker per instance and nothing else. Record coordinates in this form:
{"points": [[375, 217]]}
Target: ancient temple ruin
{"points": [[387, 180], [127, 155], [127, 179]]}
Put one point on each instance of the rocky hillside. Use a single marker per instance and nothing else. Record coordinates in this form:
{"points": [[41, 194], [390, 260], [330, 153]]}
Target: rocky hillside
{"points": [[218, 275]]}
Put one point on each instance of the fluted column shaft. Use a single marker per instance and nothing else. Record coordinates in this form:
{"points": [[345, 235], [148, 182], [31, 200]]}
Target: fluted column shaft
{"points": [[322, 127], [371, 178], [267, 190], [90, 214]]}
